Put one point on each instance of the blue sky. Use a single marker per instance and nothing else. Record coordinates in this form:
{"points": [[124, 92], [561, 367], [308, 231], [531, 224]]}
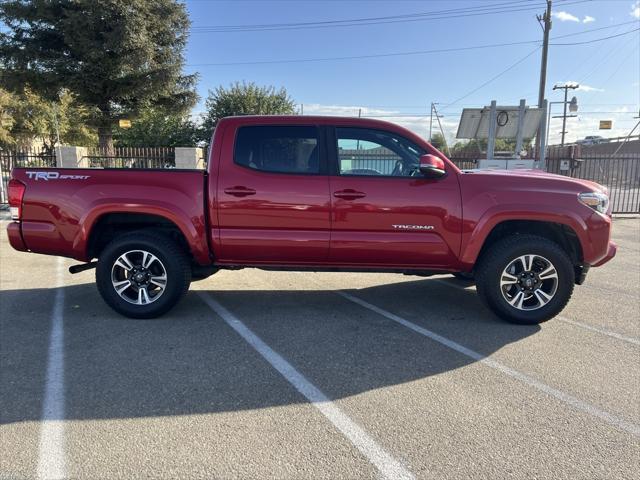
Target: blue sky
{"points": [[400, 88]]}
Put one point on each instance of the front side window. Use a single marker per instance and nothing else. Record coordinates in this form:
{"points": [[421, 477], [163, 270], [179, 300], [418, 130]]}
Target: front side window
{"points": [[370, 152], [280, 149]]}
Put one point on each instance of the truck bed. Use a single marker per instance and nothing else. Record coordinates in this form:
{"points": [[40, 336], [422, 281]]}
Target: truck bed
{"points": [[61, 206]]}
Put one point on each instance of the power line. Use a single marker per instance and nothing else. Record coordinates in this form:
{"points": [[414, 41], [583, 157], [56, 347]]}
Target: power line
{"points": [[511, 67], [597, 39], [414, 17], [397, 54], [501, 8]]}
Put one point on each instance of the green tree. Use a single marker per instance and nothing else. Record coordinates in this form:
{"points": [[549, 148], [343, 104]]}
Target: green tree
{"points": [[159, 128], [117, 56], [27, 117], [245, 99], [437, 140], [479, 146]]}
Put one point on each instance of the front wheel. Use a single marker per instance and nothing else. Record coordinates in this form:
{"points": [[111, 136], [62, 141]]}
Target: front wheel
{"points": [[141, 275], [525, 279]]}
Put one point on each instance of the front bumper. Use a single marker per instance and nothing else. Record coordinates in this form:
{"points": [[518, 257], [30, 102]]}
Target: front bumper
{"points": [[611, 252]]}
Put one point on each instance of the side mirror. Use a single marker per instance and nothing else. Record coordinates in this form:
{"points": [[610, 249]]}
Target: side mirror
{"points": [[431, 166]]}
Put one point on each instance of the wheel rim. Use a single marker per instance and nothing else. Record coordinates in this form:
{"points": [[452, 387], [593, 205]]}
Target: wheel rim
{"points": [[529, 282], [139, 277]]}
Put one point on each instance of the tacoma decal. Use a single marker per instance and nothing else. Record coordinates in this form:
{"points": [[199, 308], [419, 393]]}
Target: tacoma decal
{"points": [[413, 227]]}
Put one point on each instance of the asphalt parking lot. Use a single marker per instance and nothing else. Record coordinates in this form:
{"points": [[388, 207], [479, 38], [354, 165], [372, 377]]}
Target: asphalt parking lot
{"points": [[296, 375]]}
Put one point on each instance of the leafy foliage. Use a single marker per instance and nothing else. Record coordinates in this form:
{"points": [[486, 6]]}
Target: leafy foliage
{"points": [[158, 128], [437, 140], [480, 145], [118, 57], [27, 118], [246, 99]]}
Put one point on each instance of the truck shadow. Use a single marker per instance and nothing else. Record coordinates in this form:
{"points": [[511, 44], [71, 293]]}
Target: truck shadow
{"points": [[191, 362]]}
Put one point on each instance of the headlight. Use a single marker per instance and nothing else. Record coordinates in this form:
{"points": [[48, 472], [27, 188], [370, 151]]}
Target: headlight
{"points": [[596, 200]]}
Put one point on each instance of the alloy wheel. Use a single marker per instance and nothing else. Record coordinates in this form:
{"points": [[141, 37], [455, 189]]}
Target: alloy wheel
{"points": [[529, 282], [139, 277]]}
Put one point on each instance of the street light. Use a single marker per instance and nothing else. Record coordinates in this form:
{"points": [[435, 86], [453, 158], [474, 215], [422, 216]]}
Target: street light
{"points": [[573, 107]]}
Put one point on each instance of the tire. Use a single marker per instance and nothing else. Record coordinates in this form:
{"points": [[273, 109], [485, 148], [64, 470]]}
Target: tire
{"points": [[165, 280], [539, 292]]}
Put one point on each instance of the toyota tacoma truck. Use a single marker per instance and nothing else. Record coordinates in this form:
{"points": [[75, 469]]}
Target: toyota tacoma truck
{"points": [[317, 194]]}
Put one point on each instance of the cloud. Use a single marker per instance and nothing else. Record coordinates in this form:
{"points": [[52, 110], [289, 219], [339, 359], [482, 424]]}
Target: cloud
{"points": [[418, 124], [565, 16], [635, 10], [588, 19], [578, 127], [582, 87], [585, 125], [587, 88]]}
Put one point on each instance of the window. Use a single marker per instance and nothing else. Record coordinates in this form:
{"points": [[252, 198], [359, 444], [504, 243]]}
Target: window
{"points": [[375, 152], [278, 149]]}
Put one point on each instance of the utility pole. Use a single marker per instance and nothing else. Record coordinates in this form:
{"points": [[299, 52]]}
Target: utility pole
{"points": [[545, 23], [566, 87], [434, 111], [444, 138], [431, 122]]}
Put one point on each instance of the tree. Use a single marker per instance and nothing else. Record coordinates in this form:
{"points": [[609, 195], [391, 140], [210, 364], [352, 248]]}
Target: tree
{"points": [[159, 128], [27, 117], [117, 56], [6, 119], [246, 99], [437, 140], [479, 146]]}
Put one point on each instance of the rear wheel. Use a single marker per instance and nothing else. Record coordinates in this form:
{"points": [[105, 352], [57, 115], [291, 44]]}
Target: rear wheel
{"points": [[141, 275], [525, 279]]}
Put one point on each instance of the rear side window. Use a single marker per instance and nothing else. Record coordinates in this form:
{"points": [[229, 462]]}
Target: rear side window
{"points": [[280, 149]]}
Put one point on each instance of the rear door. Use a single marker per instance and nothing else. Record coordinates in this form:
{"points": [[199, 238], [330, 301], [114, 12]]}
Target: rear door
{"points": [[384, 212], [274, 196]]}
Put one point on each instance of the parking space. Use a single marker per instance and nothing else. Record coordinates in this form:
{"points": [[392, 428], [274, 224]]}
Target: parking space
{"points": [[298, 375]]}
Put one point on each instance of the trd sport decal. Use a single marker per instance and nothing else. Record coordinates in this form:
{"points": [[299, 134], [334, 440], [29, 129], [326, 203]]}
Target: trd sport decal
{"points": [[54, 176]]}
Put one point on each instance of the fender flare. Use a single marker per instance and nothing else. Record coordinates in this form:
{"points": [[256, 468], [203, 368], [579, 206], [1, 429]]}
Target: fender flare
{"points": [[498, 214], [193, 235]]}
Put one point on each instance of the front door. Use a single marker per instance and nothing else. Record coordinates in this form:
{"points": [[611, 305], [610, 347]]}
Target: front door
{"points": [[274, 197], [384, 212]]}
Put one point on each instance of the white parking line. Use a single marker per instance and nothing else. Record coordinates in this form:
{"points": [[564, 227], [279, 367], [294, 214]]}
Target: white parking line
{"points": [[389, 467], [602, 331], [51, 458], [524, 378]]}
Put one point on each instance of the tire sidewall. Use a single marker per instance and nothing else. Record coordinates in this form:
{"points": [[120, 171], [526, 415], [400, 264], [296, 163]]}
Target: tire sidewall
{"points": [[489, 281], [173, 264]]}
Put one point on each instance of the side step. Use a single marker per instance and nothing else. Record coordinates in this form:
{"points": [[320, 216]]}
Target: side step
{"points": [[83, 267]]}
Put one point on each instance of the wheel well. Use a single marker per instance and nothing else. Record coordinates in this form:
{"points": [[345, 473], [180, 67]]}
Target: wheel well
{"points": [[111, 225], [561, 234]]}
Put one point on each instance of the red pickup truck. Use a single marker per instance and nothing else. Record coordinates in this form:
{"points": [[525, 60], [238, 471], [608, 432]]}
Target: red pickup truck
{"points": [[317, 194]]}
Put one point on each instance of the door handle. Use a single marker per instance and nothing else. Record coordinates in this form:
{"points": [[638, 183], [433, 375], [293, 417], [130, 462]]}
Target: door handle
{"points": [[349, 194], [239, 191]]}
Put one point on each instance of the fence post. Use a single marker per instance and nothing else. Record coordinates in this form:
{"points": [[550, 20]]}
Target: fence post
{"points": [[188, 157], [72, 157]]}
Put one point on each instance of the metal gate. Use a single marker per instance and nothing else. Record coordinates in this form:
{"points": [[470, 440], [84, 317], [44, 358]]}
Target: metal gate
{"points": [[131, 157], [29, 157], [619, 173]]}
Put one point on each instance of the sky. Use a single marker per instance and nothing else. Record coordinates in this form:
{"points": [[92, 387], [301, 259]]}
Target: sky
{"points": [[245, 40]]}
